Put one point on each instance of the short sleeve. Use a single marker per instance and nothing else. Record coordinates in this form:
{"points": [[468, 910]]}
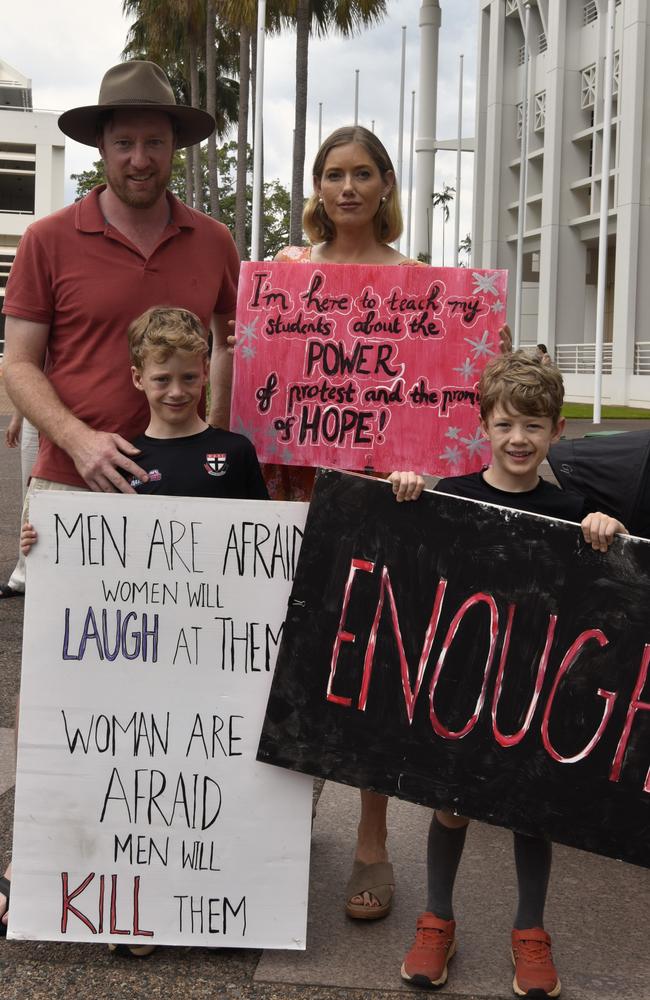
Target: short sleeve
{"points": [[29, 293], [227, 298]]}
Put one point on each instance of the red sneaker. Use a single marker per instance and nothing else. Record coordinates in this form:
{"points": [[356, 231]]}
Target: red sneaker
{"points": [[435, 943], [535, 974]]}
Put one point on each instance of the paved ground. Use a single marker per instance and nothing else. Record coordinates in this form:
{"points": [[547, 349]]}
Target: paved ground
{"points": [[609, 903]]}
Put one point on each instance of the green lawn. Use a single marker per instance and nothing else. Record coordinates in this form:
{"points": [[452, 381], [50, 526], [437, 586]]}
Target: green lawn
{"points": [[585, 410]]}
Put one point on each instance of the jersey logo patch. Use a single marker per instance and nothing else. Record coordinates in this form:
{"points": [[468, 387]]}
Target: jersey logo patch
{"points": [[216, 465], [155, 476]]}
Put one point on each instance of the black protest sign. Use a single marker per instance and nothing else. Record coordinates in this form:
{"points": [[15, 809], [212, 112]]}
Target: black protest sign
{"points": [[458, 654]]}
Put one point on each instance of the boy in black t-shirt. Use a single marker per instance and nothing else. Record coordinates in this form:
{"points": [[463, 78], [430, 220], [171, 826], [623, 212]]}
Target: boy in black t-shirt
{"points": [[181, 453], [521, 402]]}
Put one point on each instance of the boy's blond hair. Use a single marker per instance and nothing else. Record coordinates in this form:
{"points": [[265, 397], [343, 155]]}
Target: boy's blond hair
{"points": [[161, 331], [521, 383]]}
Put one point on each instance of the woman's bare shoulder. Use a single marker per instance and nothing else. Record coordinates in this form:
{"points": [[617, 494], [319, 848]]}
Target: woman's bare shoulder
{"points": [[408, 261]]}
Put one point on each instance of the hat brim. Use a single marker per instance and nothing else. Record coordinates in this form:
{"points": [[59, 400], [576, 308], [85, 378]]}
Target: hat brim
{"points": [[192, 124]]}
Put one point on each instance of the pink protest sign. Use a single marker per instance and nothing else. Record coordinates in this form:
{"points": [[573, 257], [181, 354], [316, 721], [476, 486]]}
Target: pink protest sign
{"points": [[365, 367]]}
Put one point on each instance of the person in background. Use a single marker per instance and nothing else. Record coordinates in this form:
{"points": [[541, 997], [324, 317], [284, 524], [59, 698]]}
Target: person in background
{"points": [[20, 432]]}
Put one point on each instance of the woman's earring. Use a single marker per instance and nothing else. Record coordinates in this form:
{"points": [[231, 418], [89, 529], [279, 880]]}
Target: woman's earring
{"points": [[320, 201], [383, 198]]}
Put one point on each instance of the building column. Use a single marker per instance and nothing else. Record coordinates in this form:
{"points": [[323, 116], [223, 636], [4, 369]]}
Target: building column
{"points": [[487, 187], [425, 142], [549, 254], [631, 288]]}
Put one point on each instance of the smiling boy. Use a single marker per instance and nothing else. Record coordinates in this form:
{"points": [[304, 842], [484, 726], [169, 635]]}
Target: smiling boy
{"points": [[521, 402], [181, 453]]}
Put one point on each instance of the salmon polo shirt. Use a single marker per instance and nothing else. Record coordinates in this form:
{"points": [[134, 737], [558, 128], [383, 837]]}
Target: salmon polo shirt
{"points": [[74, 272]]}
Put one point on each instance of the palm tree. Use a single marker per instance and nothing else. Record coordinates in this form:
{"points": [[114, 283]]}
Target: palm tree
{"points": [[241, 15], [465, 247], [172, 34], [211, 102], [346, 17], [160, 33], [441, 200]]}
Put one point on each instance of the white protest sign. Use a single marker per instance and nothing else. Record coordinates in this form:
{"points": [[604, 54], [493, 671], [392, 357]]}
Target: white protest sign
{"points": [[142, 817]]}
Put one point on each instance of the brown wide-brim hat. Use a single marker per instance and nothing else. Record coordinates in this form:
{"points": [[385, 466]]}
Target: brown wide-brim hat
{"points": [[137, 86]]}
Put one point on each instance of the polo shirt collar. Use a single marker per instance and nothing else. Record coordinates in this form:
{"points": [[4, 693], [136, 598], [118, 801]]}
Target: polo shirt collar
{"points": [[89, 217]]}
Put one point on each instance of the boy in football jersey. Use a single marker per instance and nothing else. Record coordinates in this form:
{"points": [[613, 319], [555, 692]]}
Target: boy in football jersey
{"points": [[181, 453]]}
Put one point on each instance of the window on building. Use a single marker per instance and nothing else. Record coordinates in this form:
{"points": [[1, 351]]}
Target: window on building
{"points": [[17, 177], [590, 12], [540, 111], [542, 44], [530, 267], [616, 75], [588, 86]]}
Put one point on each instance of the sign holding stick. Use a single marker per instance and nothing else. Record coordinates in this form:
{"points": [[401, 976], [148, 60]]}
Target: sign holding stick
{"points": [[365, 367], [458, 654], [142, 817]]}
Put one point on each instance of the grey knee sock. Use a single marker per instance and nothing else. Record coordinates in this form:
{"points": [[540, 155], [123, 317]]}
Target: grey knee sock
{"points": [[533, 862], [444, 851]]}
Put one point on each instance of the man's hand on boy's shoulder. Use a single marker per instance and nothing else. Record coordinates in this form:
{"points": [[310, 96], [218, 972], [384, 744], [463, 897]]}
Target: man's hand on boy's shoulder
{"points": [[599, 530], [103, 459]]}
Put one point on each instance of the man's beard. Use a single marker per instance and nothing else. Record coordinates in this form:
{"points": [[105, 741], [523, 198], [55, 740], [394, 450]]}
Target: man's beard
{"points": [[139, 199]]}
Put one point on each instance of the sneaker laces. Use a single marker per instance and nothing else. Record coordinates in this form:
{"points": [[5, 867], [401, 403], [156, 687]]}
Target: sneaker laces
{"points": [[536, 952], [432, 937]]}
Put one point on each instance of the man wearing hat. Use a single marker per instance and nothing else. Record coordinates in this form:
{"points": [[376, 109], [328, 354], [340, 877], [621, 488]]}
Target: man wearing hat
{"points": [[82, 274]]}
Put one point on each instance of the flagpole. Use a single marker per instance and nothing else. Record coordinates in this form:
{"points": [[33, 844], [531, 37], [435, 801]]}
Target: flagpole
{"points": [[356, 97], [604, 213], [410, 194], [400, 126], [258, 180], [458, 151]]}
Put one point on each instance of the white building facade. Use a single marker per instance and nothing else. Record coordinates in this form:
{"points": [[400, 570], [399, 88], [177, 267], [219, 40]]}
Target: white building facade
{"points": [[567, 44], [31, 167]]}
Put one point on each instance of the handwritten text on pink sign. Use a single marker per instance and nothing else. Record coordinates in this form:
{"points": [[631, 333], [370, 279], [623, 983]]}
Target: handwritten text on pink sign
{"points": [[365, 367]]}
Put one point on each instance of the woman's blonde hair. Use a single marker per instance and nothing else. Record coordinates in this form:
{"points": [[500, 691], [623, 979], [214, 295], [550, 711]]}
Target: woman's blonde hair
{"points": [[387, 222], [161, 331]]}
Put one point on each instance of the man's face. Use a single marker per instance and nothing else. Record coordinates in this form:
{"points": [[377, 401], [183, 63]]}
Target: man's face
{"points": [[137, 149]]}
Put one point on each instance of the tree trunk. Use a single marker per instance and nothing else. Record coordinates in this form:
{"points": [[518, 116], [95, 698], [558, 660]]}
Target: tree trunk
{"points": [[189, 177], [196, 149], [211, 102], [242, 142], [303, 20]]}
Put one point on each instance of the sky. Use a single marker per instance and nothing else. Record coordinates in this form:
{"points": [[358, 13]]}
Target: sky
{"points": [[65, 47]]}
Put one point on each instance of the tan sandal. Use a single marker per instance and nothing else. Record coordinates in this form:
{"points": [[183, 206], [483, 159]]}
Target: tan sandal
{"points": [[132, 950], [379, 880]]}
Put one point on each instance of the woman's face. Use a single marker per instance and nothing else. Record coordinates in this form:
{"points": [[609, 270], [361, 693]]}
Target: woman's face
{"points": [[351, 186]]}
